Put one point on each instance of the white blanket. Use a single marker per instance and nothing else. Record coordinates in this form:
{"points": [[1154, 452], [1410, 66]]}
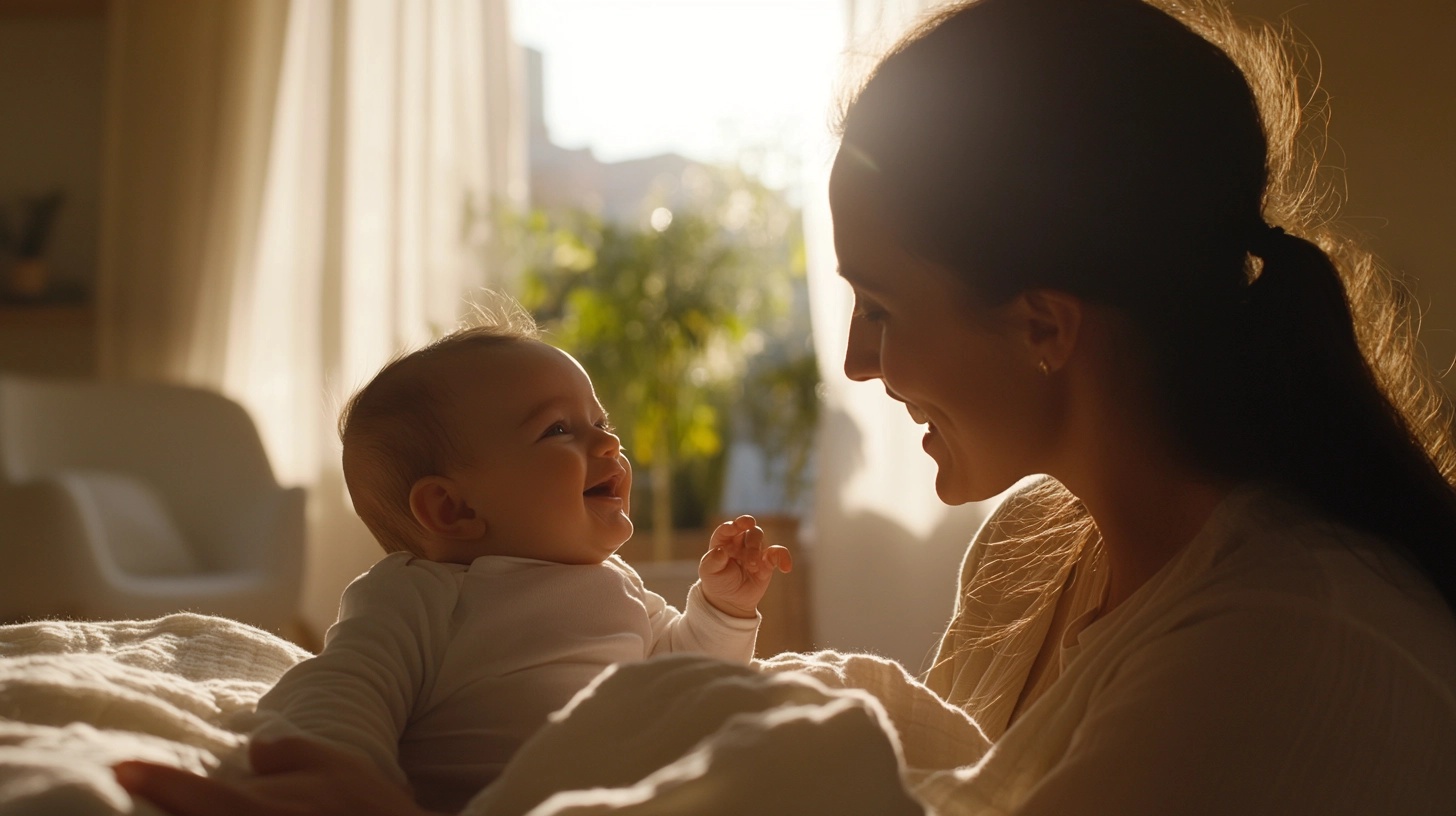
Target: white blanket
{"points": [[801, 734], [77, 697]]}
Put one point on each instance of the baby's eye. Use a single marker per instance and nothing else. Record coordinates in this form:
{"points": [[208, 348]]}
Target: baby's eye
{"points": [[556, 429], [606, 425]]}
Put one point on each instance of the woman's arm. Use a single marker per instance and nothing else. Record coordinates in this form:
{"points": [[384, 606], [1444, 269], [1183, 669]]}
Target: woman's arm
{"points": [[294, 777]]}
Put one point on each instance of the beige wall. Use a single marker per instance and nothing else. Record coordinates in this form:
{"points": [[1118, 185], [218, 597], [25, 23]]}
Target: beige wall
{"points": [[1390, 71], [52, 76]]}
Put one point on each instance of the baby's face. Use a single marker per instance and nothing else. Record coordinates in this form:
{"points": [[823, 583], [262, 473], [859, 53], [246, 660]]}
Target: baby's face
{"points": [[546, 473]]}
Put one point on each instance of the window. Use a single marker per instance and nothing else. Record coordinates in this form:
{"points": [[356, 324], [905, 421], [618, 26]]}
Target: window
{"points": [[653, 115]]}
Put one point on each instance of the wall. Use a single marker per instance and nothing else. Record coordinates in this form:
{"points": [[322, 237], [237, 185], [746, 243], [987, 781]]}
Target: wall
{"points": [[1390, 72], [52, 83]]}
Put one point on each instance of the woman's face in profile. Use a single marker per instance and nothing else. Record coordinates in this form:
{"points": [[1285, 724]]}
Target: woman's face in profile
{"points": [[959, 367]]}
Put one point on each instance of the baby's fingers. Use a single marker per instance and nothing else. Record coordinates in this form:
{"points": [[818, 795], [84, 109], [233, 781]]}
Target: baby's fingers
{"points": [[713, 561], [731, 531], [780, 557], [752, 541]]}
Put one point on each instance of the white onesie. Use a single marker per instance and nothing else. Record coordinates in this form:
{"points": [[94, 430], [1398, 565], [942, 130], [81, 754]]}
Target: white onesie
{"points": [[438, 672]]}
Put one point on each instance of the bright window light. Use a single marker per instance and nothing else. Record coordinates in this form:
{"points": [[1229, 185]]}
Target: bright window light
{"points": [[707, 79]]}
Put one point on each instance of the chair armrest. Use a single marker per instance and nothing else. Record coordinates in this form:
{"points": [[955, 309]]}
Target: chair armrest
{"points": [[58, 563], [49, 556], [267, 534]]}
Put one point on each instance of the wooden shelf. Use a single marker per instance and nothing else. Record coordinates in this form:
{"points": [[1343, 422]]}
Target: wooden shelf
{"points": [[52, 8], [48, 338], [43, 311]]}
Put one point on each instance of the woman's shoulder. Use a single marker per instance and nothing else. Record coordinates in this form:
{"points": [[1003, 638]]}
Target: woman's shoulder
{"points": [[1266, 537], [1026, 537], [1021, 510], [1273, 554]]}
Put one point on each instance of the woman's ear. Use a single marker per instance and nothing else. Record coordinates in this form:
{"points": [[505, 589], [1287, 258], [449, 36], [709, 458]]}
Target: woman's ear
{"points": [[1049, 322], [438, 506]]}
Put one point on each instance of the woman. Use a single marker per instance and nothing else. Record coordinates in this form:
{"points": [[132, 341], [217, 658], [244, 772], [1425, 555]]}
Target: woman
{"points": [[1075, 252], [1068, 263]]}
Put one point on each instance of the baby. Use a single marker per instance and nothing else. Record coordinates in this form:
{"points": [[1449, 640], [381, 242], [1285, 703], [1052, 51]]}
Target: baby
{"points": [[486, 468]]}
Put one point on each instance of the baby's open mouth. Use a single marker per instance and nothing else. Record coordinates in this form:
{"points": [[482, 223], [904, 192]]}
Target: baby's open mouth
{"points": [[606, 489]]}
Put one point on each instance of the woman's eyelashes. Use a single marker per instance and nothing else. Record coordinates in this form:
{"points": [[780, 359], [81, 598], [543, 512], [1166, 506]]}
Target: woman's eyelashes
{"points": [[864, 311]]}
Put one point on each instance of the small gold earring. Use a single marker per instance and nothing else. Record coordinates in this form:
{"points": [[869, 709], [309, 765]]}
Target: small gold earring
{"points": [[1045, 369]]}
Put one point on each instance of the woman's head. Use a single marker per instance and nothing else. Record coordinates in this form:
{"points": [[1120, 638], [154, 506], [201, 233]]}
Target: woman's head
{"points": [[1097, 147], [957, 363]]}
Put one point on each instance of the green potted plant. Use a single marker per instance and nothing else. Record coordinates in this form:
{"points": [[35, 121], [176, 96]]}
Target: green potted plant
{"points": [[28, 276], [672, 318]]}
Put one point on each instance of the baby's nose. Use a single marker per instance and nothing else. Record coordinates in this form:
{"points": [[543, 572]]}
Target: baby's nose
{"points": [[607, 443]]}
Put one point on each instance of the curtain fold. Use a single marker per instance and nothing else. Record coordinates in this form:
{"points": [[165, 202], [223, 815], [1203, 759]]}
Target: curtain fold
{"points": [[189, 114], [295, 192]]}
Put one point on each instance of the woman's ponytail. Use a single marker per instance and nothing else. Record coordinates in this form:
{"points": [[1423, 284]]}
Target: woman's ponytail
{"points": [[1324, 425]]}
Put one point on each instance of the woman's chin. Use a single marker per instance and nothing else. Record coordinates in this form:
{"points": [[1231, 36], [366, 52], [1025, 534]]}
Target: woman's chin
{"points": [[949, 491], [955, 492]]}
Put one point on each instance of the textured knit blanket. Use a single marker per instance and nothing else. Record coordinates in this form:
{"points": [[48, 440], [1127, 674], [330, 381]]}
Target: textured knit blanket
{"points": [[77, 697], [799, 734]]}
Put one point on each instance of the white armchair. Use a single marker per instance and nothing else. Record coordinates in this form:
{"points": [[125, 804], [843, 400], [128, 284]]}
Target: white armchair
{"points": [[124, 500]]}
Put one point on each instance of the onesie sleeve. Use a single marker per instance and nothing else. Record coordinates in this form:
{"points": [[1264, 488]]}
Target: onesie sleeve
{"points": [[702, 628], [359, 691]]}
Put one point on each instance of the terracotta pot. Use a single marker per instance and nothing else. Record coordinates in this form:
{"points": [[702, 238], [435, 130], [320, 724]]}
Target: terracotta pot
{"points": [[28, 277]]}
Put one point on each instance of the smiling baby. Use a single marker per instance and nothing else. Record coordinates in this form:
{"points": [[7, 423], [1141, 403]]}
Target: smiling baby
{"points": [[488, 471]]}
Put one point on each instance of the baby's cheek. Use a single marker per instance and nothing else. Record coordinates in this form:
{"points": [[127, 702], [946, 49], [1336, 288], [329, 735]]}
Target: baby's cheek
{"points": [[626, 480]]}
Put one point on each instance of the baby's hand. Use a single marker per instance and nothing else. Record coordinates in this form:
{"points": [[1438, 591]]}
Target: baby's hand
{"points": [[737, 567]]}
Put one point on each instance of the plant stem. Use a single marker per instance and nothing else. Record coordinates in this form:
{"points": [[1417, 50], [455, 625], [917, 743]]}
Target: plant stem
{"points": [[662, 506]]}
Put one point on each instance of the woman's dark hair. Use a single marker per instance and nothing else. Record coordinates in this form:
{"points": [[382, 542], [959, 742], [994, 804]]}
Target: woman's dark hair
{"points": [[1106, 149]]}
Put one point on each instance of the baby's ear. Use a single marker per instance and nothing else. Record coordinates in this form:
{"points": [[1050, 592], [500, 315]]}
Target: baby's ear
{"points": [[438, 506]]}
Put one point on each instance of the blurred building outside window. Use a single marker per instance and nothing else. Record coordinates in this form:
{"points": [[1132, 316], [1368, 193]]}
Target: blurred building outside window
{"points": [[671, 146]]}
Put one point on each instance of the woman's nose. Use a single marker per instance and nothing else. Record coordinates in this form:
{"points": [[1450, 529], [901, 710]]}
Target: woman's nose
{"points": [[862, 352]]}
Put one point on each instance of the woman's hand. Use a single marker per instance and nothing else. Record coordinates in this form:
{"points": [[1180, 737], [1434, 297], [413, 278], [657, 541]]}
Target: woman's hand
{"points": [[294, 777], [737, 567]]}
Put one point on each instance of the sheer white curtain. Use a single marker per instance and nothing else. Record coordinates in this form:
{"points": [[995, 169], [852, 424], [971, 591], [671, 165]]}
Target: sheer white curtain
{"points": [[336, 161], [189, 113], [886, 550]]}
